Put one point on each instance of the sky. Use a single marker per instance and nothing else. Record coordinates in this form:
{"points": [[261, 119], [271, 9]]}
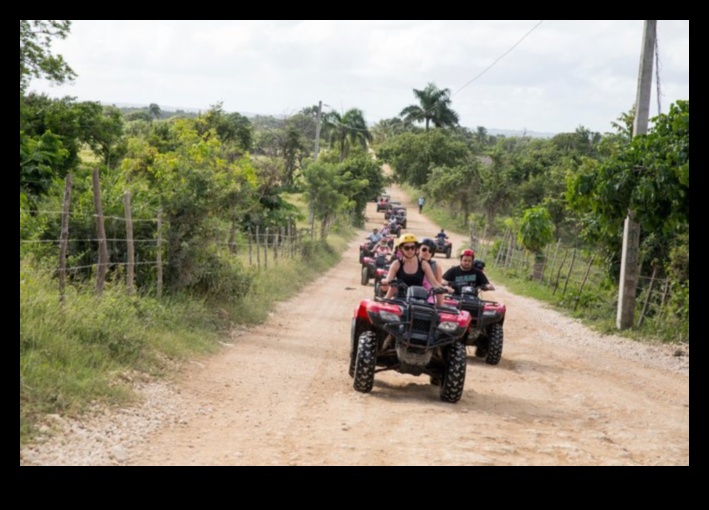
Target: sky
{"points": [[547, 76]]}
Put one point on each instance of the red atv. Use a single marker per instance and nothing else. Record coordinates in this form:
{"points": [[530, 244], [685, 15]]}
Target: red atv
{"points": [[372, 266], [382, 202], [410, 336], [486, 324]]}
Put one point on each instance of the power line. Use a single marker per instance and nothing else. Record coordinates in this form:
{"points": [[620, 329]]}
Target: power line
{"points": [[416, 119], [499, 58]]}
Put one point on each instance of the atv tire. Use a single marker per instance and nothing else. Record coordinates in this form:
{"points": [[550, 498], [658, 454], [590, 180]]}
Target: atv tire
{"points": [[365, 362], [494, 348], [449, 249], [451, 389], [365, 275]]}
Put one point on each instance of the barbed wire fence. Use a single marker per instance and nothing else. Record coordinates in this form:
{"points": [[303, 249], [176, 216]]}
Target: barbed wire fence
{"points": [[256, 248], [575, 276]]}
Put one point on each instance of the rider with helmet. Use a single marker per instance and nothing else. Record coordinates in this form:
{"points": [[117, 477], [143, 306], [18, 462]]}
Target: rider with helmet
{"points": [[410, 269], [466, 273], [426, 252]]}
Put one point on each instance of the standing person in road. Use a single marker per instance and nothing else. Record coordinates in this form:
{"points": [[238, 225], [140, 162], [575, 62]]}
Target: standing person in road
{"points": [[465, 273], [421, 202]]}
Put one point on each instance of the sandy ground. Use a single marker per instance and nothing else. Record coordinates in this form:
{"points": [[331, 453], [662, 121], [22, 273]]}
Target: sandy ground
{"points": [[280, 394]]}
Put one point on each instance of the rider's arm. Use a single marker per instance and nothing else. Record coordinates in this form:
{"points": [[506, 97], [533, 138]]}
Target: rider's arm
{"points": [[391, 292]]}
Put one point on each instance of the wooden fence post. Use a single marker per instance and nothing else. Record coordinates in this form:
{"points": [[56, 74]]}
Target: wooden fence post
{"points": [[649, 295], [508, 262], [232, 238], [265, 250], [159, 254], [558, 273], [553, 262], [101, 234], [665, 292], [585, 276], [499, 257], [289, 234], [258, 249], [64, 237], [130, 267], [251, 262], [568, 275], [275, 247]]}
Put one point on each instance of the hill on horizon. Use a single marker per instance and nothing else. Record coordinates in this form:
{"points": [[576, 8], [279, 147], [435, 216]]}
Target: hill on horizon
{"points": [[490, 131]]}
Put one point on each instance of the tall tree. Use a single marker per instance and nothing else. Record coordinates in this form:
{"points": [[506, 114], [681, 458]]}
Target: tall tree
{"points": [[155, 111], [36, 59], [433, 107], [347, 130]]}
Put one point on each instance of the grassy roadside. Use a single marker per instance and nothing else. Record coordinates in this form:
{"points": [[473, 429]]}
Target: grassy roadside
{"points": [[88, 350]]}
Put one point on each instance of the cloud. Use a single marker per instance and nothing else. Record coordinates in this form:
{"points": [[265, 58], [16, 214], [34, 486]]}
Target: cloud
{"points": [[552, 76]]}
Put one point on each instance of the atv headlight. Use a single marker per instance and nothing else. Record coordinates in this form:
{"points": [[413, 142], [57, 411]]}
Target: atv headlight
{"points": [[388, 316], [448, 326]]}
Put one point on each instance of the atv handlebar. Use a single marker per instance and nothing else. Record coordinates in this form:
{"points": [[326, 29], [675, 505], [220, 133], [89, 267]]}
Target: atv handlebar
{"points": [[402, 285]]}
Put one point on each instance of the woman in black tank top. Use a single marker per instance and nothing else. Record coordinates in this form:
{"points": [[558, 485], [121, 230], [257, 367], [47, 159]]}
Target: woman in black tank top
{"points": [[409, 269]]}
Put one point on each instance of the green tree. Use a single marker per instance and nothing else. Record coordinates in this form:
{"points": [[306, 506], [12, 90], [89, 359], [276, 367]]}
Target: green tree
{"points": [[155, 111], [347, 130], [362, 179], [294, 148], [495, 186], [456, 186], [386, 129], [230, 127], [413, 156], [536, 230], [433, 107], [72, 126], [648, 175], [324, 192], [36, 59]]}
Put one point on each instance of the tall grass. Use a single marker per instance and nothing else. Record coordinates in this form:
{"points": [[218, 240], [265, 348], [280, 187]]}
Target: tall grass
{"points": [[84, 350]]}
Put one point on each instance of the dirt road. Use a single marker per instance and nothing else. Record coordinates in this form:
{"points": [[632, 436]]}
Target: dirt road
{"points": [[280, 394]]}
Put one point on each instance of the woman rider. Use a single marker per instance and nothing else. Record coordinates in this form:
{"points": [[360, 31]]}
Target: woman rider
{"points": [[410, 269], [427, 250]]}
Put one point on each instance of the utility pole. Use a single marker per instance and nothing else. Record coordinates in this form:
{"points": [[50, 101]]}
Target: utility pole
{"points": [[318, 121], [629, 267]]}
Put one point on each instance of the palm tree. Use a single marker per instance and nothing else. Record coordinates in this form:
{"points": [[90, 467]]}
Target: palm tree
{"points": [[154, 110], [481, 136], [434, 108], [348, 129]]}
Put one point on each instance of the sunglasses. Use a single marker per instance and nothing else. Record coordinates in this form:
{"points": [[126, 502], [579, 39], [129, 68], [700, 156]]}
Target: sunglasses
{"points": [[409, 247], [424, 249]]}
